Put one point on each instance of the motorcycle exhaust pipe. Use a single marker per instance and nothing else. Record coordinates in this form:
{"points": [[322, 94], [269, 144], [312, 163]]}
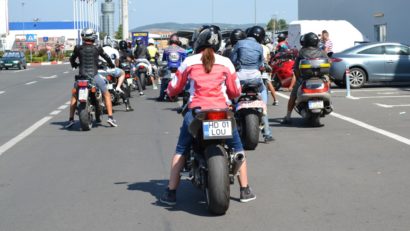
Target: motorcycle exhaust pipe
{"points": [[238, 160]]}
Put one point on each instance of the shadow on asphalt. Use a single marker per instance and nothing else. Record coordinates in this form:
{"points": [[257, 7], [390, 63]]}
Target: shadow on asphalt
{"points": [[76, 127], [189, 198], [295, 122]]}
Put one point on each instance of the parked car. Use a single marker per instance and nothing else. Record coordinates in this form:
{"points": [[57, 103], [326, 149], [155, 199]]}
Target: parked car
{"points": [[13, 59], [372, 62]]}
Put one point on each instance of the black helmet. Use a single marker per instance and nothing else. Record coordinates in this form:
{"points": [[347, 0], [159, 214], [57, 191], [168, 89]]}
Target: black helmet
{"points": [[266, 40], [174, 39], [237, 35], [310, 40], [282, 37], [209, 36], [89, 34], [139, 41], [257, 32], [302, 40], [123, 45]]}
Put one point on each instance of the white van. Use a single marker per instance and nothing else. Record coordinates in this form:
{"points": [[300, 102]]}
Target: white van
{"points": [[342, 33]]}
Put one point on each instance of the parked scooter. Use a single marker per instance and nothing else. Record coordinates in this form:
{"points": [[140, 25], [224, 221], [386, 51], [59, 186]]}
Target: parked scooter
{"points": [[313, 97]]}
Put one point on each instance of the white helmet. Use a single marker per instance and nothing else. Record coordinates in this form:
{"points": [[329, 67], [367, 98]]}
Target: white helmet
{"points": [[89, 34], [151, 41]]}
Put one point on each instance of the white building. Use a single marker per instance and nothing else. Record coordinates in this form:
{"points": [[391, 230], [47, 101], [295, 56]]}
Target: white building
{"points": [[379, 20], [4, 23]]}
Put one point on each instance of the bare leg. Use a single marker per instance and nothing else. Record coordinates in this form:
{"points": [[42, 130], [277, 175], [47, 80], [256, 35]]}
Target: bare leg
{"points": [[271, 89], [292, 83], [73, 104], [121, 79], [291, 105], [243, 175], [177, 164], [108, 103]]}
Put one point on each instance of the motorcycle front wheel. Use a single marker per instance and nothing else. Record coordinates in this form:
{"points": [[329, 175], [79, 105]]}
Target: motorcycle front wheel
{"points": [[218, 186]]}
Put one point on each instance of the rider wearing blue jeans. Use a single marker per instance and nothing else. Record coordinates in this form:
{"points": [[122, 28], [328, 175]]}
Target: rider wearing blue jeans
{"points": [[247, 56]]}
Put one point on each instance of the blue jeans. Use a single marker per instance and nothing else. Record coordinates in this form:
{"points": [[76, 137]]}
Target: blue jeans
{"points": [[267, 132], [185, 138]]}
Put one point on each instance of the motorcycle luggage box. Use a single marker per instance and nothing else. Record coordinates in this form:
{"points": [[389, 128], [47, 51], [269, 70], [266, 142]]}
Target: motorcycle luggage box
{"points": [[314, 67]]}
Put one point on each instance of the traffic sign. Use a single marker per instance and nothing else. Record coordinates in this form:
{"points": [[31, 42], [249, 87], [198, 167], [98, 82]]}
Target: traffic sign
{"points": [[45, 39], [31, 38]]}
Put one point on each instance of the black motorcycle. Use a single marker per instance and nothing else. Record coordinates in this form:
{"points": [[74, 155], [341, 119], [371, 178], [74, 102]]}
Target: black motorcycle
{"points": [[89, 101], [210, 163]]}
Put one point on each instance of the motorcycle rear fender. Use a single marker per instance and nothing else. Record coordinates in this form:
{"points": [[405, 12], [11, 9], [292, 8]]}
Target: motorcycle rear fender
{"points": [[195, 128]]}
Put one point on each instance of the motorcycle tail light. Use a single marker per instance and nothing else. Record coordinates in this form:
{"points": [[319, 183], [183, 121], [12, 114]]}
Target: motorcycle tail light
{"points": [[109, 78], [141, 67], [73, 91], [93, 89], [82, 83], [217, 115], [306, 88], [127, 76]]}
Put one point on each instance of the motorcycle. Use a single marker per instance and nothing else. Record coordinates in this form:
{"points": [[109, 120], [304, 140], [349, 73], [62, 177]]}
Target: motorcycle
{"points": [[89, 101], [142, 73], [248, 113], [282, 66], [210, 163], [128, 83], [313, 96]]}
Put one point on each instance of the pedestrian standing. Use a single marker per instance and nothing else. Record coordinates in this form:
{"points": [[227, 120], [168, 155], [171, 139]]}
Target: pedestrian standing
{"points": [[327, 43]]}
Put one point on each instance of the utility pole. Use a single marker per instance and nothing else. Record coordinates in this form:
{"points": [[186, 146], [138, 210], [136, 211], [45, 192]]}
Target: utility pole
{"points": [[255, 12], [125, 27]]}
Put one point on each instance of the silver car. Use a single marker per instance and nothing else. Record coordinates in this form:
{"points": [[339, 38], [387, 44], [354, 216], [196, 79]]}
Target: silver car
{"points": [[372, 62]]}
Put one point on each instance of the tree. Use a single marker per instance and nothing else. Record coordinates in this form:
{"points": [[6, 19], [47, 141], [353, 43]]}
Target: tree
{"points": [[102, 35], [277, 25], [118, 34]]}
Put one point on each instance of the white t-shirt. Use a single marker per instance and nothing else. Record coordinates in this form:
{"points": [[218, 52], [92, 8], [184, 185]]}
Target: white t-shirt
{"points": [[112, 53]]}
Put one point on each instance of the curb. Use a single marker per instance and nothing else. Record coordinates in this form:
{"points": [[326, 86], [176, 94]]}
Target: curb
{"points": [[47, 63]]}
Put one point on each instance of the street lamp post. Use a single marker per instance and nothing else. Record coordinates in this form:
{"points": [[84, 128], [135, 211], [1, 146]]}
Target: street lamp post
{"points": [[213, 13], [255, 12], [24, 33]]}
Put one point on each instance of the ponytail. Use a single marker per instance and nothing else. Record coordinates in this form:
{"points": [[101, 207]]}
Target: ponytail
{"points": [[208, 59]]}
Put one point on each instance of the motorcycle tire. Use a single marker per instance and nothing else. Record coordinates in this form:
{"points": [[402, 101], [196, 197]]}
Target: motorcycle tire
{"points": [[217, 189], [86, 118], [250, 131], [314, 120], [276, 83], [143, 81]]}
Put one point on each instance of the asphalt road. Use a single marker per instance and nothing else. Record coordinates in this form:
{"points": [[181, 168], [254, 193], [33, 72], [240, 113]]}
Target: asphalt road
{"points": [[351, 174]]}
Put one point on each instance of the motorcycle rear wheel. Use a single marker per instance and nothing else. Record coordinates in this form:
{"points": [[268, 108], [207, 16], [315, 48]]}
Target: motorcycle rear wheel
{"points": [[250, 131], [314, 120], [218, 184], [143, 81], [86, 120]]}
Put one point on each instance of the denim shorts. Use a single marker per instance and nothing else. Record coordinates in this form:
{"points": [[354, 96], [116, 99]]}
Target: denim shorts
{"points": [[185, 138]]}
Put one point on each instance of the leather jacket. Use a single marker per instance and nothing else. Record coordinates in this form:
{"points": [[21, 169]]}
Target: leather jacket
{"points": [[88, 56]]}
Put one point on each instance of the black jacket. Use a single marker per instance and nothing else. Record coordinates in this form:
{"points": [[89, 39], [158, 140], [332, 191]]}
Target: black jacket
{"points": [[88, 55], [308, 53], [141, 52]]}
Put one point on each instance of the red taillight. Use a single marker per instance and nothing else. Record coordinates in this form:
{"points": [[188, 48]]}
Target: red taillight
{"points": [[82, 83], [141, 67], [127, 76], [336, 60], [324, 88], [217, 115], [109, 78]]}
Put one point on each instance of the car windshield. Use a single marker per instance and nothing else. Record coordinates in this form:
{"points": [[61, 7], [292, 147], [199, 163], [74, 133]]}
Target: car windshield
{"points": [[11, 55]]}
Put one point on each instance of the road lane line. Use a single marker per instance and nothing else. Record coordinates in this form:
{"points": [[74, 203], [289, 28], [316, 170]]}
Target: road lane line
{"points": [[384, 97], [371, 90], [23, 135], [364, 125], [66, 72], [62, 107], [2, 92], [33, 82], [392, 106], [56, 112], [50, 77], [68, 103]]}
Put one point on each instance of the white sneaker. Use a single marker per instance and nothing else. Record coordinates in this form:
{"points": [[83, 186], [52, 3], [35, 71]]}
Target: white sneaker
{"points": [[119, 90], [155, 87]]}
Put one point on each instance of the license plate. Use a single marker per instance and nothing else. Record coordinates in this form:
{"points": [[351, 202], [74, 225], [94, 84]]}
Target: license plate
{"points": [[129, 81], [251, 104], [83, 94], [315, 104], [110, 87], [8, 64], [221, 129]]}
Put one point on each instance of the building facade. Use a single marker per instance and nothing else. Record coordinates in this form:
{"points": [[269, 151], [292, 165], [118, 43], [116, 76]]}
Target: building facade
{"points": [[107, 18], [378, 20]]}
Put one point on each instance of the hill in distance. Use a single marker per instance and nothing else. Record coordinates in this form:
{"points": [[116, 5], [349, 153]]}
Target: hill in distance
{"points": [[171, 26]]}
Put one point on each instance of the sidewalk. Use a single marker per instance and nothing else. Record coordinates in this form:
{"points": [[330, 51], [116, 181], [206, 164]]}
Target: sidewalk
{"points": [[47, 63]]}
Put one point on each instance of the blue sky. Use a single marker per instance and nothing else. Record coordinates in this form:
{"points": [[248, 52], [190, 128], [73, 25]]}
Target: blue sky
{"points": [[181, 11]]}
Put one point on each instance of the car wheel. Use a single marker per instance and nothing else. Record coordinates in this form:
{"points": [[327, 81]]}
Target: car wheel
{"points": [[357, 77]]}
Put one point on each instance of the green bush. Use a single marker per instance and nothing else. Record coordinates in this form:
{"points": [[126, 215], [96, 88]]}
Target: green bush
{"points": [[1, 53], [37, 59]]}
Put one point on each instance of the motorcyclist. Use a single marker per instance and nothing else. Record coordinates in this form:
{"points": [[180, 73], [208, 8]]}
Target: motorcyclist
{"points": [[153, 55], [174, 55], [266, 56], [247, 56], [282, 43], [309, 49], [234, 37], [123, 50], [214, 81], [116, 72], [88, 56], [127, 57], [141, 55]]}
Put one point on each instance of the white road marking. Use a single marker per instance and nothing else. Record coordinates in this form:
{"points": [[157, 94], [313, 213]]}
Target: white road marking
{"points": [[392, 106], [364, 125], [20, 71], [33, 82], [62, 107], [56, 112], [66, 72], [50, 77], [370, 90], [383, 97], [388, 93], [68, 102], [23, 135], [2, 92]]}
